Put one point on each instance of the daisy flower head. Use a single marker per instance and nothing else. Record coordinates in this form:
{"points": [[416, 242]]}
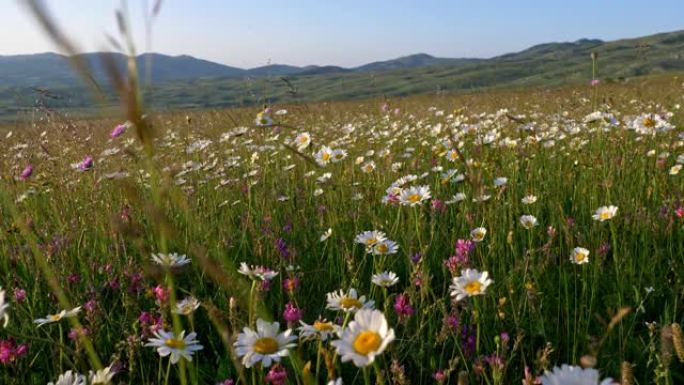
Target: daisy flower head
{"points": [[170, 260], [3, 308], [348, 302], [528, 199], [414, 195], [187, 306], [70, 378], [323, 156], [302, 141], [257, 272], [458, 197], [263, 119], [266, 344], [650, 124], [478, 234], [326, 235], [605, 213], [579, 256], [321, 328], [500, 182], [368, 167], [452, 155], [366, 337], [528, 221], [370, 238], [573, 375], [385, 279], [470, 283], [102, 376], [338, 155], [385, 247], [167, 343], [50, 318]]}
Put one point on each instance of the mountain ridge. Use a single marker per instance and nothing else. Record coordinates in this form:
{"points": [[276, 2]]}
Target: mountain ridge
{"points": [[187, 82]]}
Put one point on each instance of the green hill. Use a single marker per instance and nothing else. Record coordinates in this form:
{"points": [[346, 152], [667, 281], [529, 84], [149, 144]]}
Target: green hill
{"points": [[175, 86]]}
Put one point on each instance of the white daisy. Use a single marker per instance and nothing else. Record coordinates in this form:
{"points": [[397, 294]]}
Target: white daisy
{"points": [[326, 235], [338, 155], [322, 329], [170, 260], [478, 234], [528, 221], [70, 378], [370, 238], [605, 213], [323, 156], [177, 346], [265, 345], [573, 375], [385, 247], [50, 318], [529, 199], [3, 308], [458, 197], [385, 279], [187, 306], [500, 182], [102, 376], [365, 338], [368, 167], [470, 283], [347, 302], [579, 256], [257, 272], [414, 195], [263, 119], [302, 141]]}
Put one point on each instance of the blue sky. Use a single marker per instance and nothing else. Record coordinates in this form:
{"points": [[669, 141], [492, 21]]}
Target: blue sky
{"points": [[344, 32]]}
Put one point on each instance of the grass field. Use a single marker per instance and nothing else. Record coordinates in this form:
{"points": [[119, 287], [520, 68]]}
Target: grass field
{"points": [[84, 210]]}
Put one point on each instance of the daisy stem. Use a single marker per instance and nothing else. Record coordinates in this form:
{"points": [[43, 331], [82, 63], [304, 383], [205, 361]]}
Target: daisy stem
{"points": [[251, 303], [168, 372], [476, 304], [318, 357], [417, 218], [61, 352], [366, 376], [379, 379]]}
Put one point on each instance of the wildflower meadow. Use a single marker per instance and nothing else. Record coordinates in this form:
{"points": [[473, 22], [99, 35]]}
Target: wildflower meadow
{"points": [[508, 236]]}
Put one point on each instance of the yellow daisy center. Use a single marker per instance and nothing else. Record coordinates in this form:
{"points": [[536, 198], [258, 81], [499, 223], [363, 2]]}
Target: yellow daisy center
{"points": [[473, 287], [174, 343], [266, 345], [382, 248], [347, 302], [323, 326], [414, 198], [649, 122], [580, 257], [55, 317], [366, 342], [325, 156], [604, 215], [371, 241]]}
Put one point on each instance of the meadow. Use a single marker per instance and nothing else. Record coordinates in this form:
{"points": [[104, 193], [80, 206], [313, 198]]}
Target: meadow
{"points": [[162, 251]]}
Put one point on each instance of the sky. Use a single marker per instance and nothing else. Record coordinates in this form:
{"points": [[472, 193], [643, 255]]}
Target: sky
{"points": [[247, 34]]}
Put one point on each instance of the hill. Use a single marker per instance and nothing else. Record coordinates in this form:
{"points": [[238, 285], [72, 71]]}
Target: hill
{"points": [[186, 82]]}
